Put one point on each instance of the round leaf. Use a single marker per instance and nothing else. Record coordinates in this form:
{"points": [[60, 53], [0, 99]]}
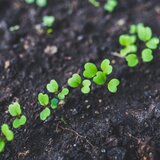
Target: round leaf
{"points": [[74, 81], [45, 114], [14, 109], [43, 99], [100, 78], [112, 85], [147, 55], [52, 87], [2, 145], [106, 67], [90, 70], [86, 86], [132, 60], [54, 103]]}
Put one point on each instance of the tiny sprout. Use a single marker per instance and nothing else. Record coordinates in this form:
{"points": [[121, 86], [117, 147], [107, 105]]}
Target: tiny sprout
{"points": [[19, 121], [48, 21], [29, 1], [144, 33], [100, 78], [54, 103], [86, 86], [2, 145], [106, 67], [90, 70], [126, 40], [112, 85], [63, 93], [153, 43], [75, 81], [132, 60], [110, 5], [41, 3], [128, 49], [95, 3], [43, 99], [45, 114], [133, 29], [147, 55], [53, 86], [7, 132]]}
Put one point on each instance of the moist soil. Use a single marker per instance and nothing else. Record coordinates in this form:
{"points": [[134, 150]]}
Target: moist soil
{"points": [[98, 126]]}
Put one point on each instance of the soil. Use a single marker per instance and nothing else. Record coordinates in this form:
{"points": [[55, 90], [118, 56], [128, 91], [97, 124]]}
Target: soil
{"points": [[98, 126]]}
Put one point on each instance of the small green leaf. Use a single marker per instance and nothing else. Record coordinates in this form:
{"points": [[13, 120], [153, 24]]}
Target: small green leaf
{"points": [[7, 132], [48, 21], [90, 70], [19, 121], [41, 3], [54, 103], [100, 78], [14, 109], [113, 84], [2, 145], [147, 55], [95, 3], [153, 43], [110, 5], [132, 60], [106, 67], [29, 1], [128, 49], [52, 87], [133, 29], [63, 93], [86, 86], [74, 81], [126, 40], [45, 114], [144, 33], [43, 99]]}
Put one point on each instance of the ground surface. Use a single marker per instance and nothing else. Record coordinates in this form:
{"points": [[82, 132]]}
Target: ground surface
{"points": [[99, 126]]}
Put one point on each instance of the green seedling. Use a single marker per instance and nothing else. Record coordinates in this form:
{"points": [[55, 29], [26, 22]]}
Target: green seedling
{"points": [[106, 67], [153, 43], [75, 81], [41, 3], [128, 49], [63, 93], [45, 114], [48, 21], [90, 70], [53, 86], [30, 1], [43, 99], [54, 103], [86, 86], [132, 60], [110, 5], [15, 111], [113, 85], [127, 40], [6, 135], [144, 33], [100, 78], [147, 55], [95, 3]]}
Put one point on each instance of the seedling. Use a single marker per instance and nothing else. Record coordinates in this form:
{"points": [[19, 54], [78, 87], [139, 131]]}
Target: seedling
{"points": [[54, 103], [48, 21], [53, 86], [147, 55], [45, 114], [132, 60], [63, 93], [75, 81], [95, 3], [43, 99], [127, 40], [15, 111], [100, 78], [106, 67], [153, 43], [90, 70], [6, 135], [113, 84], [110, 5], [40, 3], [86, 86]]}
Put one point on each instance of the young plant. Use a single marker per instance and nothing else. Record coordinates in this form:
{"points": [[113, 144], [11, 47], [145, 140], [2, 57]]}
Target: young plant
{"points": [[113, 84], [110, 5], [40, 3], [48, 21], [6, 135], [95, 3], [16, 111]]}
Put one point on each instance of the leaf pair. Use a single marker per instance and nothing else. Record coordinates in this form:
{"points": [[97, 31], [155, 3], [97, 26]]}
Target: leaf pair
{"points": [[40, 3], [48, 21], [9, 135]]}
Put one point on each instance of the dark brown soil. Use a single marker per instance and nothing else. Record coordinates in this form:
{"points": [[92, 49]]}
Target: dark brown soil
{"points": [[99, 126]]}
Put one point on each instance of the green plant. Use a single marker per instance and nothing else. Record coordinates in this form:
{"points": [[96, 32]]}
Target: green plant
{"points": [[75, 81], [95, 3], [110, 5], [6, 135], [48, 21], [113, 84], [40, 3], [63, 93], [147, 55], [132, 60], [15, 111]]}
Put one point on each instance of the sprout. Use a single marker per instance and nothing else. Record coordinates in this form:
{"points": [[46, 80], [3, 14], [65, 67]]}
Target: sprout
{"points": [[41, 3], [153, 43], [29, 1], [133, 29], [48, 21], [53, 86], [126, 40], [2, 145], [106, 67], [90, 70], [9, 135], [144, 33], [43, 99], [110, 5], [147, 55], [132, 60], [45, 114], [19, 121], [113, 84], [63, 94], [86, 86], [75, 81], [95, 3], [128, 49], [100, 78], [54, 103]]}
